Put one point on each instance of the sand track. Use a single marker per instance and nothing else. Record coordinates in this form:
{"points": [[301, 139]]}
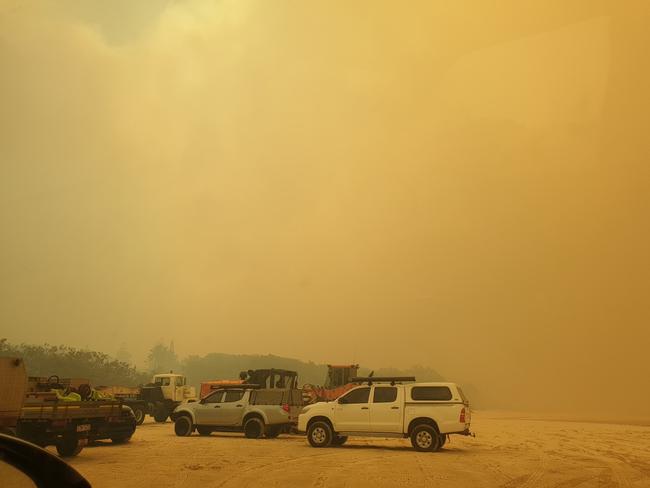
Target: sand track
{"points": [[507, 452]]}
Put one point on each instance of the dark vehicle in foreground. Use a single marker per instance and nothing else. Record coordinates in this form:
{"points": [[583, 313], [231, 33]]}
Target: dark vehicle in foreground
{"points": [[43, 468]]}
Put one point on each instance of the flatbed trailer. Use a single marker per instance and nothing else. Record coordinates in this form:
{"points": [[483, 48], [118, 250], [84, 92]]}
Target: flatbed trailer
{"points": [[41, 418]]}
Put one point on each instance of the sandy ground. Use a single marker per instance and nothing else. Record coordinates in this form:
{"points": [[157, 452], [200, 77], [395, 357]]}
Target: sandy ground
{"points": [[506, 452]]}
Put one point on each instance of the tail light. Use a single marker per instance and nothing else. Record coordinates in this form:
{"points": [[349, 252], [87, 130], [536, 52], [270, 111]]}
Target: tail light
{"points": [[285, 407], [462, 416]]}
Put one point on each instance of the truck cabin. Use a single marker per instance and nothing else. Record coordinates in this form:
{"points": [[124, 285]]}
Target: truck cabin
{"points": [[169, 380]]}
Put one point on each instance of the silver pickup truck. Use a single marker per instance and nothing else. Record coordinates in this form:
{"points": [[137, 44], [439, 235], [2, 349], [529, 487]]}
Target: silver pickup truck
{"points": [[255, 412]]}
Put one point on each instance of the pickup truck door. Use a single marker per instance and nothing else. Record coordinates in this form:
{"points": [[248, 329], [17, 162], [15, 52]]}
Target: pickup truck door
{"points": [[351, 412], [387, 409], [208, 411], [233, 406]]}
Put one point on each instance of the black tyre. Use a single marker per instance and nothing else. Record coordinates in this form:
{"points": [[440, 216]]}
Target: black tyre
{"points": [[139, 414], [123, 439], [443, 440], [160, 416], [425, 437], [339, 440], [183, 426], [319, 434], [69, 446], [273, 431], [203, 430], [254, 428]]}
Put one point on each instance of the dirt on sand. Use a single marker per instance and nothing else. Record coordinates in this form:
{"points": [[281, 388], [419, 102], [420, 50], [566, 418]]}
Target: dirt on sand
{"points": [[506, 452]]}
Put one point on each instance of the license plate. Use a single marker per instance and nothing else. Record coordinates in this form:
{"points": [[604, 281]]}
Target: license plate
{"points": [[83, 428]]}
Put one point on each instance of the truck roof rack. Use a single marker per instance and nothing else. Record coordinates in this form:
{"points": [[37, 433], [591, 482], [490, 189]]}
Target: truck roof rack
{"points": [[382, 379]]}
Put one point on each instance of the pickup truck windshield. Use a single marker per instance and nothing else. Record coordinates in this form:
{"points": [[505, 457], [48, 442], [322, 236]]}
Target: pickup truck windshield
{"points": [[360, 395]]}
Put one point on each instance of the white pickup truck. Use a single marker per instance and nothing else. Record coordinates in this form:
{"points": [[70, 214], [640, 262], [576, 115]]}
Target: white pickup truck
{"points": [[425, 412], [256, 412]]}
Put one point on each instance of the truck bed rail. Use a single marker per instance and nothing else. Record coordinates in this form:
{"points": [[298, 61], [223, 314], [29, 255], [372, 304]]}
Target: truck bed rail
{"points": [[70, 410]]}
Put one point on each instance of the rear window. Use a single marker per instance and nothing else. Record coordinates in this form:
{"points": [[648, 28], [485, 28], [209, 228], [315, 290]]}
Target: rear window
{"points": [[431, 393]]}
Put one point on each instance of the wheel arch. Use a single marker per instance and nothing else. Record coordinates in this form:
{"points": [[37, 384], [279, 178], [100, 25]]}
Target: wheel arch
{"points": [[183, 413], [320, 418], [255, 413], [422, 420]]}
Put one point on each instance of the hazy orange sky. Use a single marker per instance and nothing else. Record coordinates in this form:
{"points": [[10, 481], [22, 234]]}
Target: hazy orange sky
{"points": [[462, 185]]}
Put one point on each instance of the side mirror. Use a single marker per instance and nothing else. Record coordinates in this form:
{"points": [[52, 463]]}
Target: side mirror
{"points": [[44, 468], [341, 401]]}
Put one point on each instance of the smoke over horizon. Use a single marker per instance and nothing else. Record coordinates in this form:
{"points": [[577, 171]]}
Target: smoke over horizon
{"points": [[462, 186]]}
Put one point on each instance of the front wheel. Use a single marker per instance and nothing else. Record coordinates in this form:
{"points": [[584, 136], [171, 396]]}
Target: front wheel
{"points": [[254, 428], [339, 440], [425, 438], [319, 434], [183, 426]]}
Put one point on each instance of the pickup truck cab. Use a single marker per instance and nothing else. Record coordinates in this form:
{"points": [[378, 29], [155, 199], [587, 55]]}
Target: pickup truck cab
{"points": [[256, 412], [427, 413]]}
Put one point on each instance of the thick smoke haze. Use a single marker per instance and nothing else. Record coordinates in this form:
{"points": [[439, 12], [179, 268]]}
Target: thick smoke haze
{"points": [[462, 185]]}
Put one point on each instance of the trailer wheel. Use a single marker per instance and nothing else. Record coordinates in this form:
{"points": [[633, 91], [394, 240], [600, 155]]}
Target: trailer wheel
{"points": [[425, 437], [139, 414], [203, 430], [254, 428], [183, 426], [319, 434], [69, 446], [160, 416]]}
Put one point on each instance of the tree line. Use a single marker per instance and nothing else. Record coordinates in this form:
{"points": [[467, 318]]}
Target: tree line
{"points": [[102, 369]]}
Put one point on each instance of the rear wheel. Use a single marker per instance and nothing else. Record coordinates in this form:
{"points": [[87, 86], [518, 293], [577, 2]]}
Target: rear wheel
{"points": [[339, 440], [69, 446], [425, 437], [319, 434], [203, 430], [183, 426], [254, 428]]}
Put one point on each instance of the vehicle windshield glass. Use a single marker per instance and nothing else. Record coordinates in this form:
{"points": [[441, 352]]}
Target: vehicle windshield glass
{"points": [[162, 381], [360, 395], [214, 398]]}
